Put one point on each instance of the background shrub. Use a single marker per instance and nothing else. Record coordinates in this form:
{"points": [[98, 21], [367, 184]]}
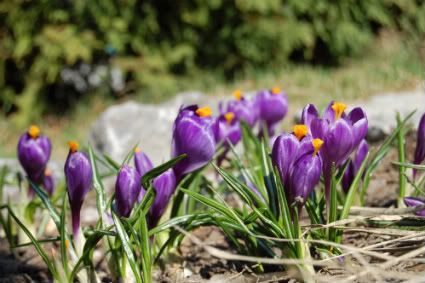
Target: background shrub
{"points": [[52, 52]]}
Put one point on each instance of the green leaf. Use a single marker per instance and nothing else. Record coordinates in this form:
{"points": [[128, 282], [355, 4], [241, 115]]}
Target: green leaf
{"points": [[126, 245], [37, 246], [353, 189], [401, 158], [269, 180], [63, 237], [98, 186], [146, 250], [46, 201]]}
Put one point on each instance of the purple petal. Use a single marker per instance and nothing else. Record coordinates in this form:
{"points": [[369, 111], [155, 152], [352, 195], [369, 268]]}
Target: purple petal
{"points": [[319, 128], [193, 136], [284, 152], [420, 142], [79, 176], [413, 202], [305, 176], [164, 185], [348, 177], [360, 154], [33, 155], [309, 114], [338, 142], [142, 162], [359, 122], [127, 189], [272, 107]]}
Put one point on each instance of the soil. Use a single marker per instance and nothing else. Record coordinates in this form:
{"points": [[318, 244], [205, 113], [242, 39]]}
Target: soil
{"points": [[191, 263]]}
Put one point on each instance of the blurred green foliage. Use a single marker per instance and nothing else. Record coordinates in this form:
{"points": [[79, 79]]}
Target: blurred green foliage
{"points": [[153, 42]]}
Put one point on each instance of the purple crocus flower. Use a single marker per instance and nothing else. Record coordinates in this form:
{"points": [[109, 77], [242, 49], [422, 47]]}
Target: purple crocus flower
{"points": [[273, 106], [127, 189], [33, 154], [305, 174], [341, 134], [412, 202], [354, 165], [165, 185], [192, 135], [79, 177], [420, 145], [49, 182], [299, 166], [243, 108]]}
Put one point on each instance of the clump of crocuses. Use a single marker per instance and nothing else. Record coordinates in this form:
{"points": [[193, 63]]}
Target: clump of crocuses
{"points": [[79, 177], [33, 153], [127, 190], [272, 107], [296, 157], [420, 144], [341, 134], [193, 135]]}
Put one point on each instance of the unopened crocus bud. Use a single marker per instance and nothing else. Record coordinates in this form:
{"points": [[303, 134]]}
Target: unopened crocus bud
{"points": [[273, 106], [420, 144], [193, 136], [33, 154], [414, 202], [143, 165], [79, 177], [49, 182], [354, 165], [306, 173], [165, 185], [127, 189], [142, 162]]}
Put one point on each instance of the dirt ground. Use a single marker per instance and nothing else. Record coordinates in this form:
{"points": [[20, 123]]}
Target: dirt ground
{"points": [[191, 263]]}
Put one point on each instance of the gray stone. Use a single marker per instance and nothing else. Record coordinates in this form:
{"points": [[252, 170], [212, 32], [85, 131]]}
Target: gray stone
{"points": [[122, 126], [381, 110]]}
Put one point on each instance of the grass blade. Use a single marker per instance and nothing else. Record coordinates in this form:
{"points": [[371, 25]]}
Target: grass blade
{"points": [[401, 159], [98, 186], [126, 245]]}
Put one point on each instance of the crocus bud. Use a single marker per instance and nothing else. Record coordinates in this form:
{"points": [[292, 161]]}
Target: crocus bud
{"points": [[49, 182], [306, 174], [273, 106], [165, 185], [192, 135], [143, 165], [142, 162], [354, 165], [127, 189], [413, 202], [420, 144], [33, 154], [79, 177], [227, 132]]}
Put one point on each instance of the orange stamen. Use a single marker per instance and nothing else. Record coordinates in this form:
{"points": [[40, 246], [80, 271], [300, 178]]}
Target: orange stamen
{"points": [[229, 116], [73, 146], [204, 112], [34, 131], [276, 90], [237, 94], [339, 109], [317, 144], [300, 131]]}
